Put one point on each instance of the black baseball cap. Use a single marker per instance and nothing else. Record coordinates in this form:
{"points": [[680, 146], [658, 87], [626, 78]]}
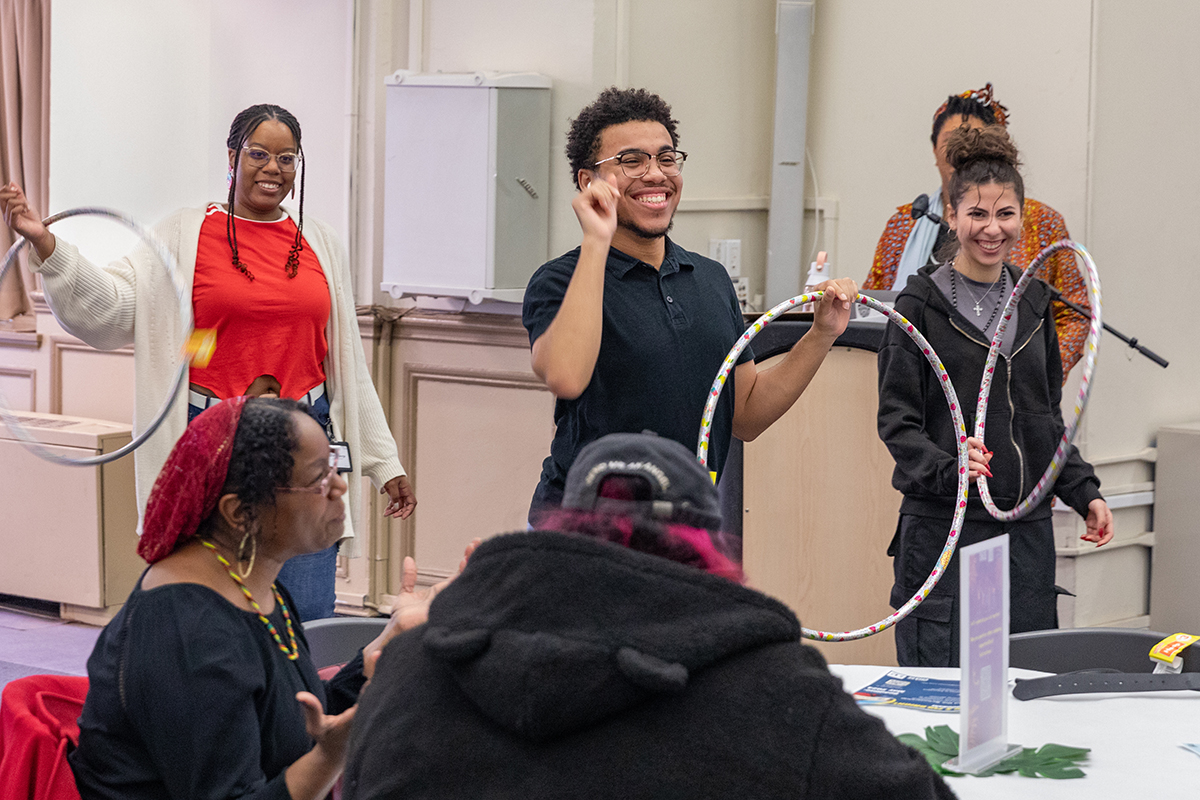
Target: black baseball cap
{"points": [[681, 490]]}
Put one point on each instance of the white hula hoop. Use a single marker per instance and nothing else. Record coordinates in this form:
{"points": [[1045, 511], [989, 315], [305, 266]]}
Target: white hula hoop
{"points": [[960, 510], [1053, 470], [10, 418]]}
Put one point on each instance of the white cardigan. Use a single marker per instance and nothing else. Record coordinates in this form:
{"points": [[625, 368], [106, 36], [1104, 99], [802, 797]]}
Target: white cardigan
{"points": [[133, 300]]}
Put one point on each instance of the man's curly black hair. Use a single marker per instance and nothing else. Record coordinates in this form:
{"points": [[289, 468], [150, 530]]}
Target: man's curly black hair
{"points": [[613, 107]]}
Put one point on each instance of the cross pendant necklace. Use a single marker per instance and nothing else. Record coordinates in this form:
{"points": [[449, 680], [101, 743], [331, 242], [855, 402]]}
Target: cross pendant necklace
{"points": [[976, 307]]}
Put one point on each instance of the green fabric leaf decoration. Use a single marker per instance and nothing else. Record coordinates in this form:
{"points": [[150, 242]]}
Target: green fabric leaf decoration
{"points": [[1056, 761]]}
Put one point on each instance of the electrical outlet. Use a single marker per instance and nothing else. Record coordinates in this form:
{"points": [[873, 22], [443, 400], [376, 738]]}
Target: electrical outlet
{"points": [[728, 252], [742, 287], [733, 255]]}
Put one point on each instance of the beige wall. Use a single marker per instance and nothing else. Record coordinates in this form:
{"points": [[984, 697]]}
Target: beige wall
{"points": [[879, 71], [1144, 205]]}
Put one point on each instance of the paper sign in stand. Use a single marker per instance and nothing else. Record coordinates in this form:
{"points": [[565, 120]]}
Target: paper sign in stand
{"points": [[983, 655]]}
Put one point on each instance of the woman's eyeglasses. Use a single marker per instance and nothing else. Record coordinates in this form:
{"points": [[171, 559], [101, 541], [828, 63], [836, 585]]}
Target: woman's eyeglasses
{"points": [[260, 158], [323, 484]]}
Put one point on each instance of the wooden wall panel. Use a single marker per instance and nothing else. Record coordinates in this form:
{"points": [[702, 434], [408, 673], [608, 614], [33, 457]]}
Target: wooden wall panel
{"points": [[820, 509], [91, 383], [18, 387], [480, 438]]}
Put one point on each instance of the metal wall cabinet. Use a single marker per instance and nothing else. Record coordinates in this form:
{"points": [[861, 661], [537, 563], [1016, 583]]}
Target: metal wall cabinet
{"points": [[467, 183]]}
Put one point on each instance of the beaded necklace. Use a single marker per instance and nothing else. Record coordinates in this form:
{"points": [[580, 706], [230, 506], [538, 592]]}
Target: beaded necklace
{"points": [[292, 653]]}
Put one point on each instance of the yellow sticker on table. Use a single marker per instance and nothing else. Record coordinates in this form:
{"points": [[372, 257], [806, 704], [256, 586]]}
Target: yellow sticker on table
{"points": [[1172, 646]]}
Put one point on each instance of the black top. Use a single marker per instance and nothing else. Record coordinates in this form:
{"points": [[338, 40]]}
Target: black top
{"points": [[560, 666], [666, 333], [1024, 421], [191, 697]]}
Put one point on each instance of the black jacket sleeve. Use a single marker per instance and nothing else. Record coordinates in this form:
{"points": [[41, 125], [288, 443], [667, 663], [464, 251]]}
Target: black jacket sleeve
{"points": [[857, 757], [904, 383]]}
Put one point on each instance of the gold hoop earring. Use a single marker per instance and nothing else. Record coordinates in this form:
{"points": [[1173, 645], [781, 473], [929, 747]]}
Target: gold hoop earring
{"points": [[241, 554]]}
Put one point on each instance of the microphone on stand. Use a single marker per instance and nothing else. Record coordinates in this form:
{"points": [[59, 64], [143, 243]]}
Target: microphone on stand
{"points": [[920, 208]]}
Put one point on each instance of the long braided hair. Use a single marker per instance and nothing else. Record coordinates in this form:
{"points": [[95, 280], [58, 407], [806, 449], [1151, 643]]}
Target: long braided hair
{"points": [[244, 124]]}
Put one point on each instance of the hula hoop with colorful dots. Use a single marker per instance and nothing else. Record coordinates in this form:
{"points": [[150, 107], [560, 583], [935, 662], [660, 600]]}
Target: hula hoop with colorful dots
{"points": [[1089, 365], [185, 315], [960, 510]]}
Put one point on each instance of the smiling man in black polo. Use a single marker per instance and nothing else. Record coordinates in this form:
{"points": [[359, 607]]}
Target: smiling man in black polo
{"points": [[629, 329]]}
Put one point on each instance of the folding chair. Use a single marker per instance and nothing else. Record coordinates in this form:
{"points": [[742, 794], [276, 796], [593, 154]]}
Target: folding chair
{"points": [[336, 640], [1071, 649]]}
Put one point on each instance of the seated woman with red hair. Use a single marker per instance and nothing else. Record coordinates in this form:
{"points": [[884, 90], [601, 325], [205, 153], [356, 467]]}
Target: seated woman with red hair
{"points": [[202, 685]]}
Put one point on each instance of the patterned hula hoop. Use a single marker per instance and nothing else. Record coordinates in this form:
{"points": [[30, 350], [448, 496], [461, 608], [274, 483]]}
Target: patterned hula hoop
{"points": [[1085, 387], [185, 315], [960, 511]]}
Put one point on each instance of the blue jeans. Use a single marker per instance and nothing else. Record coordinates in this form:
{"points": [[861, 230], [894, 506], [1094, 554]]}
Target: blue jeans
{"points": [[320, 410], [309, 578], [310, 581]]}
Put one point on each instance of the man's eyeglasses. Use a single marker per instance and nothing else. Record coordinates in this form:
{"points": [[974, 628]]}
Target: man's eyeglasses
{"points": [[322, 486], [260, 158], [636, 164]]}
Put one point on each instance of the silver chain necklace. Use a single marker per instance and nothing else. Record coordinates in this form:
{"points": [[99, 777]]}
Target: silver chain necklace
{"points": [[978, 309]]}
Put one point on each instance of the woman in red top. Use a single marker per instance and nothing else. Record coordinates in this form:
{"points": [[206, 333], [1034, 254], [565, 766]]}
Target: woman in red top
{"points": [[279, 298]]}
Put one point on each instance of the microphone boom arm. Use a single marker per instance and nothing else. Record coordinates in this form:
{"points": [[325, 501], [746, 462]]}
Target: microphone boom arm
{"points": [[1132, 342]]}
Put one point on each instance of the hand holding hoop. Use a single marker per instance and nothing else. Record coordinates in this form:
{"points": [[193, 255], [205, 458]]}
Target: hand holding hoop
{"points": [[185, 316], [1085, 387], [960, 509], [21, 217]]}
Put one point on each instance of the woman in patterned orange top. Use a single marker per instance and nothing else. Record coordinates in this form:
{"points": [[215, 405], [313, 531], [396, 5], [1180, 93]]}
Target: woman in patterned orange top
{"points": [[907, 244]]}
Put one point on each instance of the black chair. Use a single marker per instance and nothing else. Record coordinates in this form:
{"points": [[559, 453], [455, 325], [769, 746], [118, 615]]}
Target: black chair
{"points": [[336, 640], [1071, 649]]}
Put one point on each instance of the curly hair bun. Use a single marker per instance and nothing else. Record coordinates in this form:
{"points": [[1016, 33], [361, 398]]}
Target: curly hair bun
{"points": [[989, 143]]}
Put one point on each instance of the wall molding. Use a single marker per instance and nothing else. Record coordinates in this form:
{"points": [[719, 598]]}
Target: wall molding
{"points": [[472, 329], [65, 344], [20, 339], [31, 375]]}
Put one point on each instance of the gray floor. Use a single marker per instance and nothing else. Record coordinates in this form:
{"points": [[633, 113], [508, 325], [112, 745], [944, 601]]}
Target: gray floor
{"points": [[32, 645]]}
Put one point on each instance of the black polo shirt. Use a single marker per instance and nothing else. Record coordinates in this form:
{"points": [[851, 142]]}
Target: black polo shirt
{"points": [[666, 333]]}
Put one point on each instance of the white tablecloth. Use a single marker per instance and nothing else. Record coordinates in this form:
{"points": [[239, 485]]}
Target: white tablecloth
{"points": [[1134, 739]]}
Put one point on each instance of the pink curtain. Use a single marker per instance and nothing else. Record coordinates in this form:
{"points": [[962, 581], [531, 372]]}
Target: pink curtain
{"points": [[24, 132]]}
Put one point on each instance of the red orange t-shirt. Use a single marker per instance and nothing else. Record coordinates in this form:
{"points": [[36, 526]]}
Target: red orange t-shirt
{"points": [[272, 325]]}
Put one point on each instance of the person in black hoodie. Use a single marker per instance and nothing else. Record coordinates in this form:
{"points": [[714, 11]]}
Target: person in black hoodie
{"points": [[957, 306], [615, 654]]}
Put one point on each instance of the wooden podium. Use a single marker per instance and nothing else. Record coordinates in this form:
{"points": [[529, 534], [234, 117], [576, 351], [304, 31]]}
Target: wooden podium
{"points": [[818, 507]]}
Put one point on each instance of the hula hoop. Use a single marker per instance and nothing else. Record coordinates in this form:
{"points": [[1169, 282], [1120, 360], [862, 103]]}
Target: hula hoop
{"points": [[1085, 387], [185, 315], [960, 511]]}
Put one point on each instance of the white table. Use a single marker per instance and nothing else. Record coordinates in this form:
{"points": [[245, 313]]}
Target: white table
{"points": [[1134, 738]]}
